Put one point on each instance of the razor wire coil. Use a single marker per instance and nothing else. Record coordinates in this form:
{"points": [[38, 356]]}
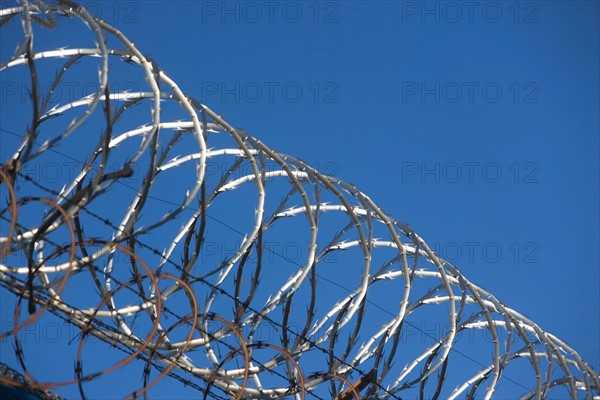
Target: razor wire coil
{"points": [[87, 249]]}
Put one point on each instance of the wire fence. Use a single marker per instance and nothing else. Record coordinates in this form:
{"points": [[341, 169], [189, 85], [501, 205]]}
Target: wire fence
{"points": [[184, 250]]}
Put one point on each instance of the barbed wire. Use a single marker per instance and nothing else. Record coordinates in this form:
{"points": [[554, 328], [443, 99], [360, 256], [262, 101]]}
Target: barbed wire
{"points": [[167, 310], [223, 302]]}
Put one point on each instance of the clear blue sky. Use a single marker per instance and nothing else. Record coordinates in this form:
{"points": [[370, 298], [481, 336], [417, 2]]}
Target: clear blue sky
{"points": [[478, 126]]}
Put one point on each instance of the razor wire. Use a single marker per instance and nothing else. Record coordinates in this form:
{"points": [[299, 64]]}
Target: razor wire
{"points": [[165, 242]]}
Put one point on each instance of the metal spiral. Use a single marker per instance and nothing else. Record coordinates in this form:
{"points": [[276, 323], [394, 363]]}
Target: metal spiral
{"points": [[187, 255]]}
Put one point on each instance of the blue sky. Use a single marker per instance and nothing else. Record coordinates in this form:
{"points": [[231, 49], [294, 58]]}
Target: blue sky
{"points": [[478, 126]]}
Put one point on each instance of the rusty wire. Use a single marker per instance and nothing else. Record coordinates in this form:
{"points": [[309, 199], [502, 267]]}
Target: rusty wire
{"points": [[101, 215]]}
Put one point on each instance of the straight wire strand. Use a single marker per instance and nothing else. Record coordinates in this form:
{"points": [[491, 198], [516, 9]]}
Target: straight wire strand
{"points": [[157, 251]]}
